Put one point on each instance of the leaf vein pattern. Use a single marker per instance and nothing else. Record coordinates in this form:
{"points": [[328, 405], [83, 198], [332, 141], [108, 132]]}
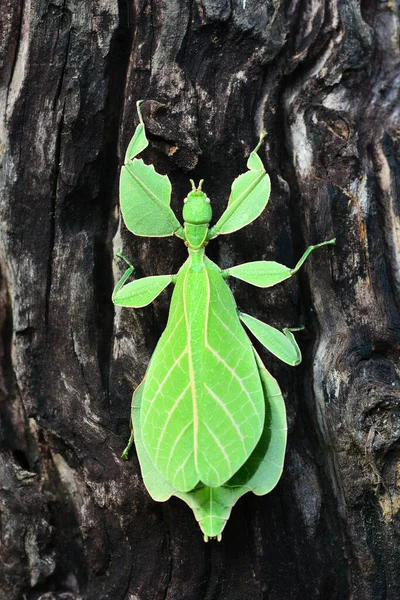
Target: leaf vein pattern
{"points": [[223, 324], [167, 420], [220, 446], [211, 466], [179, 437], [161, 385], [161, 206], [230, 415], [235, 376], [181, 468]]}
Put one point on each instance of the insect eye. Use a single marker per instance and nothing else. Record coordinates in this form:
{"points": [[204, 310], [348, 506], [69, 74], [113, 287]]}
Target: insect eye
{"points": [[185, 200], [208, 200]]}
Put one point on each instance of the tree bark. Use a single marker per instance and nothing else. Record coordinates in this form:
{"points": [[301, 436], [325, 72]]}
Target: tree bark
{"points": [[323, 79]]}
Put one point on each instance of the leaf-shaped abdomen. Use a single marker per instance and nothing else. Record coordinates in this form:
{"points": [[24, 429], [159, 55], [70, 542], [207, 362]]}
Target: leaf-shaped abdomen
{"points": [[203, 408]]}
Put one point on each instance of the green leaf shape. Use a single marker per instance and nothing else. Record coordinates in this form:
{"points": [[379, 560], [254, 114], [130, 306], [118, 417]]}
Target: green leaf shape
{"points": [[264, 467], [139, 139], [261, 273], [145, 196], [264, 273], [282, 345], [158, 488], [254, 162], [141, 292], [248, 198], [203, 406], [260, 473]]}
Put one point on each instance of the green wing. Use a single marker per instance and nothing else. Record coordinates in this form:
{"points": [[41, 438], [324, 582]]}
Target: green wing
{"points": [[158, 488], [260, 473], [232, 408], [167, 410], [203, 408]]}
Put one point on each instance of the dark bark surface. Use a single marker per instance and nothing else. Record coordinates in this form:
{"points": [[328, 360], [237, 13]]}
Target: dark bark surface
{"points": [[322, 77]]}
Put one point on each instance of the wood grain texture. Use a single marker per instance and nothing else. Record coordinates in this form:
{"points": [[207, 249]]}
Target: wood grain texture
{"points": [[323, 79]]}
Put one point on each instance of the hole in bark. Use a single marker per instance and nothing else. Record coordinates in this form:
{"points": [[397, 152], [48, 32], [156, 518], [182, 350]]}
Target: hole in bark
{"points": [[21, 458]]}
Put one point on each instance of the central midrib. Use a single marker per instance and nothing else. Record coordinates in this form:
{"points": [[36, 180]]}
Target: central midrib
{"points": [[196, 297]]}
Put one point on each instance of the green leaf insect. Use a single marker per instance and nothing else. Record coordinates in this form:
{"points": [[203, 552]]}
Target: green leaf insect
{"points": [[208, 420]]}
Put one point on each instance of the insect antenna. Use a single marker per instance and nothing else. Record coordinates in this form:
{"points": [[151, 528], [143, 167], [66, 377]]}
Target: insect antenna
{"points": [[198, 188]]}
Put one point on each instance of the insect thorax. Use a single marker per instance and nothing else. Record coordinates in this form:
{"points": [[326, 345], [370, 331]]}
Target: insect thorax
{"points": [[196, 235]]}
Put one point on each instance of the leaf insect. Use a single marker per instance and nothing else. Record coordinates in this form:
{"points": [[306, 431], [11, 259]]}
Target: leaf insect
{"points": [[208, 419]]}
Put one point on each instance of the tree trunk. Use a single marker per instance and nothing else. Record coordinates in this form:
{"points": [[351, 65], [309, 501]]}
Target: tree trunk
{"points": [[323, 79]]}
